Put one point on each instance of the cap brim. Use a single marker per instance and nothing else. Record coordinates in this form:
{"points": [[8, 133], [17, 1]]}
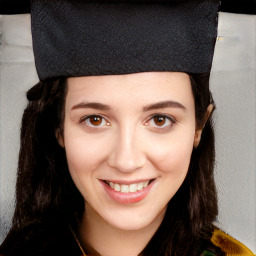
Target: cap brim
{"points": [[14, 6]]}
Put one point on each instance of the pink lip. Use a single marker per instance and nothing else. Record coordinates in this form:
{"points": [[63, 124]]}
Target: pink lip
{"points": [[126, 198]]}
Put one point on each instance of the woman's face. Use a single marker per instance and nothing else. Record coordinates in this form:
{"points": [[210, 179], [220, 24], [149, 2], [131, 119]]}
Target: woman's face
{"points": [[128, 141]]}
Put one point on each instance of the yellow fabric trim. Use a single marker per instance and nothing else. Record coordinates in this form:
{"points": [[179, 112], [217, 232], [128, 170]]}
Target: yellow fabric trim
{"points": [[229, 245]]}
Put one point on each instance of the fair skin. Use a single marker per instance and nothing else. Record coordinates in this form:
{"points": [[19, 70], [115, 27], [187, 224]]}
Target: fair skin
{"points": [[133, 133]]}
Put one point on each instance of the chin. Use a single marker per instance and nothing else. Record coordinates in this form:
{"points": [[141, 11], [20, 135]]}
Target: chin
{"points": [[134, 221]]}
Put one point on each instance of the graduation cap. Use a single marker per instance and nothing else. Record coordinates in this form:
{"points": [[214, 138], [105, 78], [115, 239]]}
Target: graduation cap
{"points": [[103, 37]]}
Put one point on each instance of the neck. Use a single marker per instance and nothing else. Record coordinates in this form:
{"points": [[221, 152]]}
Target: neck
{"points": [[100, 238]]}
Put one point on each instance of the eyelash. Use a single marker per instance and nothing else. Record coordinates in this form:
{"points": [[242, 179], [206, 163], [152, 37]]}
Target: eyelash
{"points": [[87, 122], [165, 118]]}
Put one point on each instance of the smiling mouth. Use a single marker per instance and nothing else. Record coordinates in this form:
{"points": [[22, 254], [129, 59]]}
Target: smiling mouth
{"points": [[131, 188]]}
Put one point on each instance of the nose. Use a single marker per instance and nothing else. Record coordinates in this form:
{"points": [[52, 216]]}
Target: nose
{"points": [[127, 154]]}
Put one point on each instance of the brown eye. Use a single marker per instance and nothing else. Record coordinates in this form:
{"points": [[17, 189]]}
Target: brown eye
{"points": [[159, 120], [95, 120]]}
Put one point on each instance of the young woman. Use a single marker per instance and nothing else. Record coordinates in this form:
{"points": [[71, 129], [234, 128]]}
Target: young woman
{"points": [[117, 146], [133, 165]]}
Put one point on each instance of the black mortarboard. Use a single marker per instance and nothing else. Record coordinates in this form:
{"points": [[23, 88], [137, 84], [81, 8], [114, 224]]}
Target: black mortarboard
{"points": [[101, 37]]}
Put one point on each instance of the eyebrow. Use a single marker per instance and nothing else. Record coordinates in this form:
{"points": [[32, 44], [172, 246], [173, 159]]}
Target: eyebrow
{"points": [[94, 105], [158, 105], [164, 104]]}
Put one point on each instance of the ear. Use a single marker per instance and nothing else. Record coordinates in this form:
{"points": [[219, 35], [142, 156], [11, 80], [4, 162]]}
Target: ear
{"points": [[59, 137], [199, 130]]}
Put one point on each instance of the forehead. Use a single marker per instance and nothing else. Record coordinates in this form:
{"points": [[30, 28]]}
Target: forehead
{"points": [[136, 88]]}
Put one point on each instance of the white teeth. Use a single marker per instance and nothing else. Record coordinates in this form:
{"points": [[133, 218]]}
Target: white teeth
{"points": [[145, 184], [124, 188], [117, 187], [128, 188], [111, 184], [133, 187], [140, 186]]}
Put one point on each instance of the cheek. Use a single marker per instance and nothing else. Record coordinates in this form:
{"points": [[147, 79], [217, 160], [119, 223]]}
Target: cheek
{"points": [[80, 157], [173, 156], [84, 159], [83, 153]]}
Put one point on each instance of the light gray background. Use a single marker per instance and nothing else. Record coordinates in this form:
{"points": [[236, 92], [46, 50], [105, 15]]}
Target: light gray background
{"points": [[233, 83]]}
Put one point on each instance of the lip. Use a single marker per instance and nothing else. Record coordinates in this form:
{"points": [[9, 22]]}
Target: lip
{"points": [[127, 198]]}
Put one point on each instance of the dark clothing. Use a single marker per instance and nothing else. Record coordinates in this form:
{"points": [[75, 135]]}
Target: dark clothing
{"points": [[56, 239], [41, 240]]}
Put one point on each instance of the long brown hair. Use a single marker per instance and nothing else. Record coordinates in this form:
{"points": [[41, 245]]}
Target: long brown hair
{"points": [[45, 190], [187, 226]]}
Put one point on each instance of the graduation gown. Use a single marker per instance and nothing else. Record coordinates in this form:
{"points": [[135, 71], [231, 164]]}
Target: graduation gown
{"points": [[60, 241]]}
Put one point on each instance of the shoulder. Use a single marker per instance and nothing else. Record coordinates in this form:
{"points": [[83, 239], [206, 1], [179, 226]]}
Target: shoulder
{"points": [[229, 245]]}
